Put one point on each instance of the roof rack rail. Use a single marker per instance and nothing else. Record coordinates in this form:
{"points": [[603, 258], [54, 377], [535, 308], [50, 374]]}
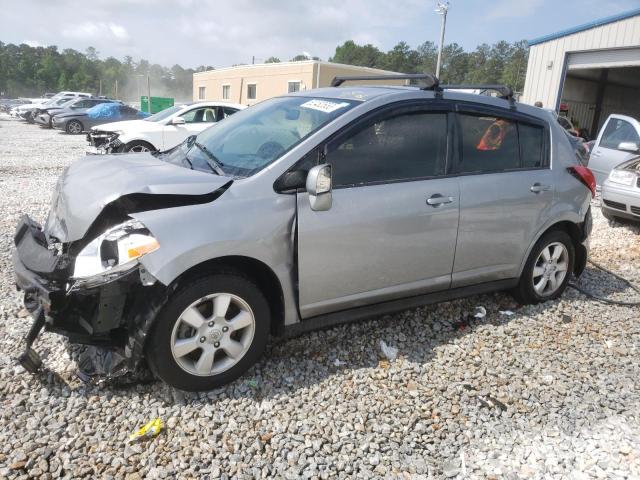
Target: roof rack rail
{"points": [[505, 92], [431, 81]]}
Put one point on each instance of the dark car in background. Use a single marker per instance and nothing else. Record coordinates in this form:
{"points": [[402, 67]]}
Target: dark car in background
{"points": [[44, 116], [77, 122]]}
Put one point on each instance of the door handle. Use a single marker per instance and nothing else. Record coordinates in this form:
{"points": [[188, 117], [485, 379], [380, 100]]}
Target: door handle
{"points": [[437, 199], [538, 187]]}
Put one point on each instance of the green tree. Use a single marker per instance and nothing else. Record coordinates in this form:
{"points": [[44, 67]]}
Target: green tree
{"points": [[272, 60]]}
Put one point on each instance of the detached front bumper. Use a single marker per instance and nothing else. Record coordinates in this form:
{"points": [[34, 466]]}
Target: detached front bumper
{"points": [[115, 315], [44, 120]]}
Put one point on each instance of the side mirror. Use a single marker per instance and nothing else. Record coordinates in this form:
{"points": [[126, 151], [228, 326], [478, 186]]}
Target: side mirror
{"points": [[629, 147], [319, 187], [177, 121], [291, 181]]}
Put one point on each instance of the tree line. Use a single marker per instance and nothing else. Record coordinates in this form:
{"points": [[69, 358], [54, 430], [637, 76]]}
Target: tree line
{"points": [[31, 71], [27, 71], [502, 62]]}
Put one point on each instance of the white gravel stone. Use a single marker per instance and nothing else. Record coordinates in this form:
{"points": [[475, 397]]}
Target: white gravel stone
{"points": [[325, 405]]}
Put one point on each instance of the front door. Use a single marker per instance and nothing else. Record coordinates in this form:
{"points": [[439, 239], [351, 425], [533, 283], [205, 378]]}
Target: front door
{"points": [[196, 120], [391, 230], [606, 155], [506, 193]]}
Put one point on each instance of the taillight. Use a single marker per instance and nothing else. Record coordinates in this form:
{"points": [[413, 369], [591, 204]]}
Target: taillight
{"points": [[585, 175]]}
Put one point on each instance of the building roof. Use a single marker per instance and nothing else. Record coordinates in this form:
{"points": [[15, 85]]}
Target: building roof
{"points": [[301, 62], [585, 26]]}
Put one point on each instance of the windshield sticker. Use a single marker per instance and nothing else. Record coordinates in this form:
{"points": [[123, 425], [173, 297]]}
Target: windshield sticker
{"points": [[324, 106]]}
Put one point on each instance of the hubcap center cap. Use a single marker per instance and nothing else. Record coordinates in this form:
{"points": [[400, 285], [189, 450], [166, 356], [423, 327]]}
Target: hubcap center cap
{"points": [[214, 336]]}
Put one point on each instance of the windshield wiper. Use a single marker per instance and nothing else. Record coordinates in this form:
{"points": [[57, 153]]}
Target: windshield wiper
{"points": [[212, 160]]}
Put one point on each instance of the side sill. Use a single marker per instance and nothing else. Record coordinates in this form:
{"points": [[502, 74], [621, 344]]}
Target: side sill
{"points": [[392, 306]]}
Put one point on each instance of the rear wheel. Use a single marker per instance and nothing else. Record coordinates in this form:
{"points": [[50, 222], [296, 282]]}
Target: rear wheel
{"points": [[139, 146], [74, 127], [209, 333], [548, 269]]}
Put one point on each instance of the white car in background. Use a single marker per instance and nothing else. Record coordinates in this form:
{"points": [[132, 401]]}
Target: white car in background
{"points": [[161, 131], [24, 111], [618, 141]]}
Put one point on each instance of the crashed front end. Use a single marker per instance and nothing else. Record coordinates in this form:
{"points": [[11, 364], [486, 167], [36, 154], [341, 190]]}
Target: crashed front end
{"points": [[94, 293], [102, 142]]}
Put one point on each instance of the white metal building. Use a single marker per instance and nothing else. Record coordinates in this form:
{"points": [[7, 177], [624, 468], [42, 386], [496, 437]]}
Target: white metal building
{"points": [[590, 70]]}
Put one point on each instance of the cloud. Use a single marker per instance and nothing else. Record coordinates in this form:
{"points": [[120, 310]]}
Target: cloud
{"points": [[96, 30], [32, 43], [508, 9]]}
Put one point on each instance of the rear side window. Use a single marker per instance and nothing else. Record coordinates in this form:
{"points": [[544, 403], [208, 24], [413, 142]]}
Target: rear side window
{"points": [[618, 131], [531, 145], [493, 144], [391, 147]]}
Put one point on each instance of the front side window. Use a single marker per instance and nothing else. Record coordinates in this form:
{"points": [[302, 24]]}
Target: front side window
{"points": [[391, 147], [202, 93], [294, 87], [200, 115], [618, 131], [163, 114], [251, 91], [251, 139], [226, 92]]}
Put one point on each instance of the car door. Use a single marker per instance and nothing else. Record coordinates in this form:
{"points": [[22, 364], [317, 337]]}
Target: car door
{"points": [[506, 192], [391, 229], [606, 154], [196, 120]]}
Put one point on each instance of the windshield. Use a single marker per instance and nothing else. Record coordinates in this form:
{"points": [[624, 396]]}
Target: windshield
{"points": [[248, 141], [156, 117]]}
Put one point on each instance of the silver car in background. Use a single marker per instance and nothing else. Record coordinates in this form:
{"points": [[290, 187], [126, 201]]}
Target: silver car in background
{"points": [[617, 142], [621, 192], [304, 211]]}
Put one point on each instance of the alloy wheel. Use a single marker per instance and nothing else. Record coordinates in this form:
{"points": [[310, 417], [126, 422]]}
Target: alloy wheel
{"points": [[139, 148], [212, 334], [550, 269]]}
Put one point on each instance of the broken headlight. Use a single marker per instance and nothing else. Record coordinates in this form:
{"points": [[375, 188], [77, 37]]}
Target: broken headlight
{"points": [[115, 251]]}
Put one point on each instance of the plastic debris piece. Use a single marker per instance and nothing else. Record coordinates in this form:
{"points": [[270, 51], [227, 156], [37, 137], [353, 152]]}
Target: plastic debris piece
{"points": [[391, 353], [481, 312], [337, 362], [150, 430], [95, 361], [506, 312], [252, 383]]}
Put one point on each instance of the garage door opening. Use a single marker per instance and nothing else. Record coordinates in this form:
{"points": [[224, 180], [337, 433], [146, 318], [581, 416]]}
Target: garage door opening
{"points": [[598, 84]]}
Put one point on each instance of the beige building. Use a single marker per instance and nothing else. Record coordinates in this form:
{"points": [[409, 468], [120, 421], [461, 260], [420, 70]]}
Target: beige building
{"points": [[590, 70], [249, 84]]}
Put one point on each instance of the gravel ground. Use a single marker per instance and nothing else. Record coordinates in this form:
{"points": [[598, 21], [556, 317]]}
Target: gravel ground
{"points": [[548, 392]]}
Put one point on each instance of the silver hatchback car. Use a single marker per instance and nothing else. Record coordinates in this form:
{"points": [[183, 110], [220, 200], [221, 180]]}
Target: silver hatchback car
{"points": [[304, 211]]}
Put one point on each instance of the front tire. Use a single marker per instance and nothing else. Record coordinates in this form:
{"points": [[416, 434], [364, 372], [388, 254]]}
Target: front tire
{"points": [[548, 269], [74, 127], [209, 333], [138, 146]]}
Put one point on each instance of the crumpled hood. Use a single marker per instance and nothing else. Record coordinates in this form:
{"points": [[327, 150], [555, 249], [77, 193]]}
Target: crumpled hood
{"points": [[132, 182], [129, 126]]}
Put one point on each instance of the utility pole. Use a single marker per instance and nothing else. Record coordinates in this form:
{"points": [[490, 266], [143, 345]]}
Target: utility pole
{"points": [[148, 94], [116, 90], [441, 9], [100, 92]]}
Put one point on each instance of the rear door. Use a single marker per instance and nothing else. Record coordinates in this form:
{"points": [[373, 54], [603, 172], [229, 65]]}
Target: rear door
{"points": [[606, 155], [506, 192], [391, 230]]}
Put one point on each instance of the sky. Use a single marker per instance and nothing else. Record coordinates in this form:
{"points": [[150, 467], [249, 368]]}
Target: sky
{"points": [[221, 33]]}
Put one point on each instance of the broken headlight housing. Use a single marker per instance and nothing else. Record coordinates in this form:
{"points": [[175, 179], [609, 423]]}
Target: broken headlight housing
{"points": [[114, 252]]}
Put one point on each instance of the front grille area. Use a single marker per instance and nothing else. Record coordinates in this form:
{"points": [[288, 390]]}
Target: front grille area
{"points": [[635, 210], [98, 139], [616, 205]]}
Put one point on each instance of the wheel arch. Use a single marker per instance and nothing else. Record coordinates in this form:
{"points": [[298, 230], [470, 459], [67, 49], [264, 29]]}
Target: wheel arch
{"points": [[256, 270], [140, 140], [574, 231]]}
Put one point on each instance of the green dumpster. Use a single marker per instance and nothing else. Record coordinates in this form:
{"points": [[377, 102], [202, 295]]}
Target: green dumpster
{"points": [[157, 103]]}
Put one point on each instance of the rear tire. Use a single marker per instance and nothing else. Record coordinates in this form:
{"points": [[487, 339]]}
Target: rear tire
{"points": [[139, 146], [209, 332], [74, 127], [548, 269]]}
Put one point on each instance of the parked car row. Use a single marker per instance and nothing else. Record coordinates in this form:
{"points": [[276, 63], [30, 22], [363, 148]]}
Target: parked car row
{"points": [[75, 112]]}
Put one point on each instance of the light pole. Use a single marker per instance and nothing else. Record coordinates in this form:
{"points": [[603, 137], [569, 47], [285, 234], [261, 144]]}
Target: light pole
{"points": [[441, 9]]}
